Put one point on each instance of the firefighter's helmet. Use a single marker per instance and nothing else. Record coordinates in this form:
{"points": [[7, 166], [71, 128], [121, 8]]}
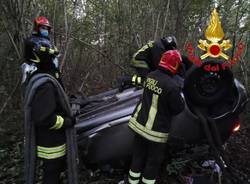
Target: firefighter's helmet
{"points": [[41, 21], [171, 60]]}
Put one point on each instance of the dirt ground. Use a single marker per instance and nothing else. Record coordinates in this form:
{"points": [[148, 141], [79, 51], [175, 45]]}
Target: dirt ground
{"points": [[237, 150]]}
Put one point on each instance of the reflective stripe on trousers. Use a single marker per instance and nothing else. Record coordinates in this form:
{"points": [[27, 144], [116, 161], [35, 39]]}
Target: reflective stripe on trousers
{"points": [[134, 177], [147, 181]]}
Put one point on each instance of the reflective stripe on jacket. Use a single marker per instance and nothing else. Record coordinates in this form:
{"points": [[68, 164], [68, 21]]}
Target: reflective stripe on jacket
{"points": [[161, 100], [148, 56], [51, 152]]}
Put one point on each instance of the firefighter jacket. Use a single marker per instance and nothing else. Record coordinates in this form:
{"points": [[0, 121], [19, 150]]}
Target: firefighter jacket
{"points": [[37, 49], [147, 58], [48, 126], [50, 120], [161, 100]]}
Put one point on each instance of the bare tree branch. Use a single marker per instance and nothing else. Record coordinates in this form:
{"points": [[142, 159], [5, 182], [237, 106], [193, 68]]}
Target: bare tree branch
{"points": [[165, 18], [54, 20], [157, 25], [68, 27], [11, 39], [103, 54]]}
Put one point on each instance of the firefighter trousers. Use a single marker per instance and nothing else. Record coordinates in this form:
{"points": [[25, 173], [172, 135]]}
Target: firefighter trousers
{"points": [[146, 162], [52, 170]]}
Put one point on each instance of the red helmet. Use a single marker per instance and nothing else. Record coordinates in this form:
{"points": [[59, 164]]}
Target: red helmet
{"points": [[41, 21], [171, 60]]}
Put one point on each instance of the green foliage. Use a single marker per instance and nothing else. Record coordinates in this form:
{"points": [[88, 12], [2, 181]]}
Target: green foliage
{"points": [[11, 161], [176, 165]]}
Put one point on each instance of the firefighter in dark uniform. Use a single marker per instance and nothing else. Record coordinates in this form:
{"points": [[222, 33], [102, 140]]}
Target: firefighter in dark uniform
{"points": [[38, 46], [151, 119], [147, 58], [47, 115]]}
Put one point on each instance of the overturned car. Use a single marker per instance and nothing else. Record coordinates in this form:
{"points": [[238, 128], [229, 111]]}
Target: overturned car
{"points": [[214, 100]]}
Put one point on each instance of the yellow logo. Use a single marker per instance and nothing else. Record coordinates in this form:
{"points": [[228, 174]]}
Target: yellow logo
{"points": [[214, 33], [151, 84]]}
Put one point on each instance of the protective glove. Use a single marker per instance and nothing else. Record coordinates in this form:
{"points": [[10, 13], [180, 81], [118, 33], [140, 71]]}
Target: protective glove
{"points": [[137, 80], [50, 51], [42, 49]]}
